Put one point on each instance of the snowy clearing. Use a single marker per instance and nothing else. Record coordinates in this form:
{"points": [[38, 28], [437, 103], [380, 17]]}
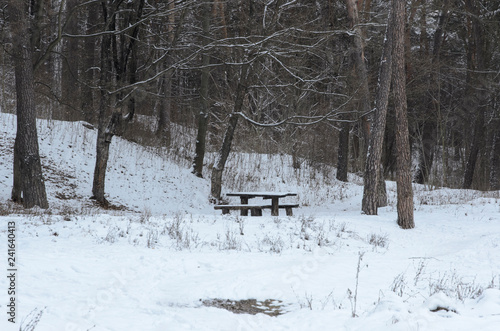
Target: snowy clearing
{"points": [[168, 261]]}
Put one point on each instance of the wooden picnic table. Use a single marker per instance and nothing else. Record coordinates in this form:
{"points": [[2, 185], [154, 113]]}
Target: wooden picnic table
{"points": [[274, 196]]}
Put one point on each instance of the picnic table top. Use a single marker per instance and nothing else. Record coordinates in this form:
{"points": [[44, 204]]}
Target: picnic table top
{"points": [[261, 194]]}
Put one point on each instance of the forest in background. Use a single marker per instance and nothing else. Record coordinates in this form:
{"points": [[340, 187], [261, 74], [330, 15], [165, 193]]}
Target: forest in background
{"points": [[300, 75]]}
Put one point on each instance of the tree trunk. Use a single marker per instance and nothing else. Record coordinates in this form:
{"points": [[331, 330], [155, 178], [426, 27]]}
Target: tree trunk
{"points": [[495, 161], [28, 177], [89, 59], [361, 71], [343, 152], [200, 141], [403, 178], [102, 147], [381, 189], [102, 156], [125, 72], [102, 151], [17, 190], [220, 163], [432, 104], [205, 104], [478, 141], [69, 85], [480, 94], [373, 194], [164, 106]]}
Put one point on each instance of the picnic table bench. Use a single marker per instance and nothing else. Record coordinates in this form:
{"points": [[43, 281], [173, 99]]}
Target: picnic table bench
{"points": [[256, 209]]}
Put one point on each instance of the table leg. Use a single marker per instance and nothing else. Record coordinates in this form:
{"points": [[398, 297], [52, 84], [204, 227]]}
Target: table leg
{"points": [[244, 201], [275, 211], [256, 212]]}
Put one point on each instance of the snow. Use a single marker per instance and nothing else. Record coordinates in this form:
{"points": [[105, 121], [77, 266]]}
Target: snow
{"points": [[153, 263], [263, 194]]}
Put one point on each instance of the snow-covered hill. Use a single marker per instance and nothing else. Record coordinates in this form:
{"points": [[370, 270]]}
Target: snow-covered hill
{"points": [[165, 260]]}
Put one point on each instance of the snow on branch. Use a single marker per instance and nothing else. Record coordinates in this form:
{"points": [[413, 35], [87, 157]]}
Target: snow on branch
{"points": [[301, 120]]}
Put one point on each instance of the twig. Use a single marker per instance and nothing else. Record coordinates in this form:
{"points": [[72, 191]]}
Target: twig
{"points": [[360, 258]]}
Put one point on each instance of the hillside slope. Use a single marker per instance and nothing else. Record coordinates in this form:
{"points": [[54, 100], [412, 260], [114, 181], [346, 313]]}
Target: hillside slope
{"points": [[138, 178]]}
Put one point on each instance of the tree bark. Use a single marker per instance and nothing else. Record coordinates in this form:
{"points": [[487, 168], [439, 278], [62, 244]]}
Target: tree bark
{"points": [[70, 89], [17, 190], [102, 154], [381, 189], [89, 62], [403, 178], [477, 144], [164, 107], [343, 152], [495, 161], [220, 162], [360, 69], [102, 147], [374, 195], [28, 177]]}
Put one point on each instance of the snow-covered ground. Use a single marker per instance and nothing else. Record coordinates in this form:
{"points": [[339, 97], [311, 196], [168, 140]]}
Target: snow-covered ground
{"points": [[165, 260]]}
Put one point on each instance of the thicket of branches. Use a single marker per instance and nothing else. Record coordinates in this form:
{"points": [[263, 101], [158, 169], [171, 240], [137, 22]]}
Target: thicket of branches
{"points": [[287, 71]]}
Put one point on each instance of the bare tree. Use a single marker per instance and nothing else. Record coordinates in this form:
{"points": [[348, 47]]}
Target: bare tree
{"points": [[132, 62], [282, 77], [220, 163], [164, 104], [89, 59], [29, 186], [403, 179], [243, 14], [70, 89], [118, 64], [205, 102], [477, 100], [432, 102], [358, 62], [374, 184]]}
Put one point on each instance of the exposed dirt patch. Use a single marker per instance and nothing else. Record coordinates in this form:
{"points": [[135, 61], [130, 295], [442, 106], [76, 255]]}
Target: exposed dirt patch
{"points": [[250, 306], [106, 205], [438, 308]]}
